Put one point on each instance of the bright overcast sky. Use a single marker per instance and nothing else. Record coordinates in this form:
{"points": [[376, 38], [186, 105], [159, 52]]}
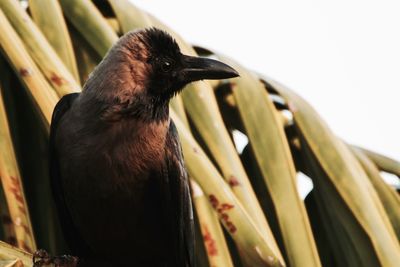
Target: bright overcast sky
{"points": [[341, 56]]}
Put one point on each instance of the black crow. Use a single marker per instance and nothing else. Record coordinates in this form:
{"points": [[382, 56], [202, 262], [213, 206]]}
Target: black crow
{"points": [[117, 172]]}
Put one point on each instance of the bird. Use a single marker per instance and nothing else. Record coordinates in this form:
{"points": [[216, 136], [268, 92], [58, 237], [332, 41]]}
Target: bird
{"points": [[117, 171]]}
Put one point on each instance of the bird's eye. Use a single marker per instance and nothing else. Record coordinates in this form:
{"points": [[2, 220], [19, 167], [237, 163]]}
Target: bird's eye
{"points": [[166, 66]]}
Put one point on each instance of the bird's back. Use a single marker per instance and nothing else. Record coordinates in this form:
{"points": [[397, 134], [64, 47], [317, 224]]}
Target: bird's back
{"points": [[113, 178]]}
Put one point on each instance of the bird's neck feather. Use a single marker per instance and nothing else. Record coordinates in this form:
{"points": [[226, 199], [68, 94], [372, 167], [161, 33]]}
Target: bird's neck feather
{"points": [[137, 149], [123, 141], [118, 89]]}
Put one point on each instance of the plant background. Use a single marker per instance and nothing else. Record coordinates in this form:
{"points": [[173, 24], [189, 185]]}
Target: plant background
{"points": [[347, 205], [330, 52], [342, 56]]}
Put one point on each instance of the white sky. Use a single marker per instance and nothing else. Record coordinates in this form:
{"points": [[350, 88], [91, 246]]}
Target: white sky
{"points": [[341, 56]]}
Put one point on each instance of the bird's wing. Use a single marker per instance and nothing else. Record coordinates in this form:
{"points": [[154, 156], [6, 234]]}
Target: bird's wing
{"points": [[71, 234], [179, 201]]}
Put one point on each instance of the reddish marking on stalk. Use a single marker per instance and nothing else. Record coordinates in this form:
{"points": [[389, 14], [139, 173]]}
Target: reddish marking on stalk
{"points": [[16, 190], [24, 72], [214, 201], [25, 247], [17, 194], [209, 242], [227, 206], [57, 79], [26, 228], [224, 216], [22, 210], [233, 181], [195, 150], [231, 227]]}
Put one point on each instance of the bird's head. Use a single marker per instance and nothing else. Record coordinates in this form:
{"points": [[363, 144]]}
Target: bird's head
{"points": [[170, 70], [146, 68], [156, 60]]}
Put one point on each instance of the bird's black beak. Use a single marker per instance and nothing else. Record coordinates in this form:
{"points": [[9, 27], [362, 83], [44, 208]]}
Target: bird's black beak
{"points": [[199, 68]]}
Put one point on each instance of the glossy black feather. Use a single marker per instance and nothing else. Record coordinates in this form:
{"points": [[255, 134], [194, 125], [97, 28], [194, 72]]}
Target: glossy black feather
{"points": [[169, 189], [180, 199], [71, 233]]}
